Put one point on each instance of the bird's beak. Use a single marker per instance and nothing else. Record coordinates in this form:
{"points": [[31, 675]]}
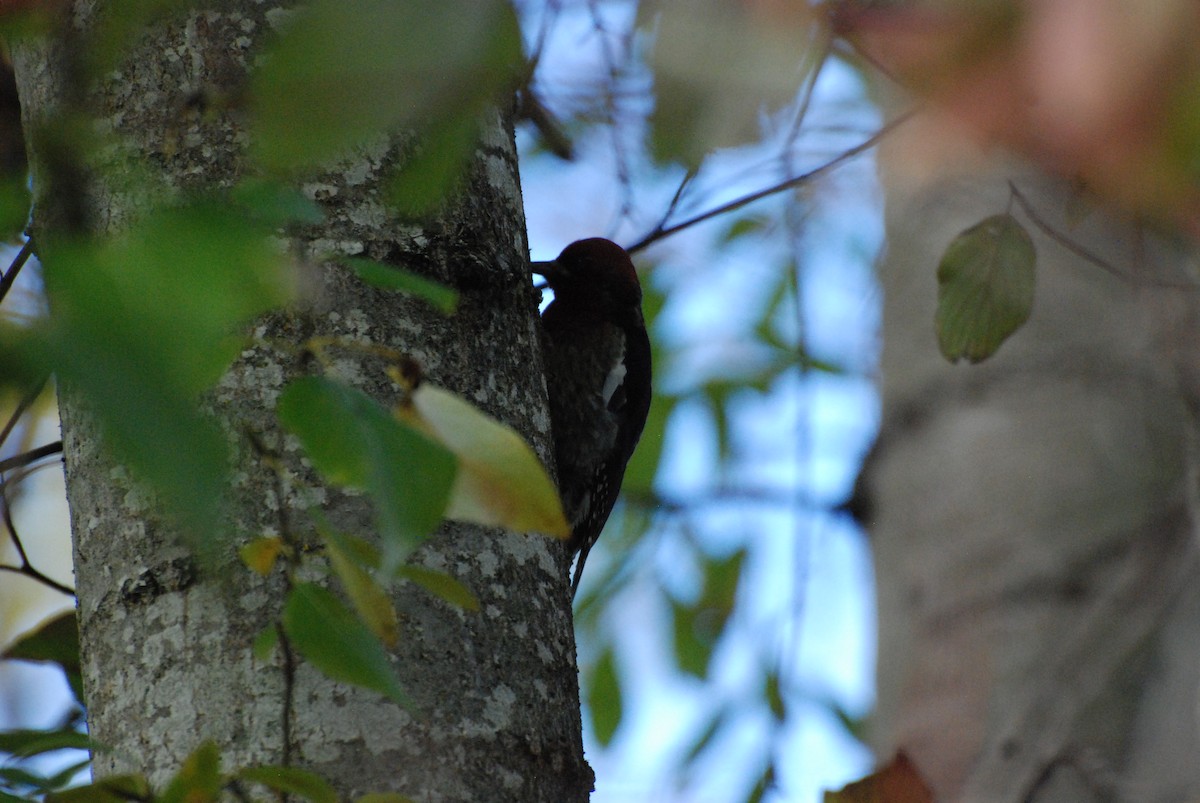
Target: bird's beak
{"points": [[544, 269]]}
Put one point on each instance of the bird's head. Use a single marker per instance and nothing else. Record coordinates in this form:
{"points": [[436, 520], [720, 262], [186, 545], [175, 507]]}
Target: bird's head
{"points": [[594, 274]]}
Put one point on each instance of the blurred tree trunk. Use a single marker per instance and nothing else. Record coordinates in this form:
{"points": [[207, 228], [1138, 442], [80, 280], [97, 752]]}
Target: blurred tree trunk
{"points": [[1033, 517], [166, 643]]}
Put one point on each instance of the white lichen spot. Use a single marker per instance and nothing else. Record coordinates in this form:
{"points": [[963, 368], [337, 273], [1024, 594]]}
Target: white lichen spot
{"points": [[521, 629], [327, 248], [137, 500], [544, 653], [497, 710], [358, 324], [357, 173], [347, 370], [488, 562], [319, 190], [368, 214], [509, 779], [492, 612]]}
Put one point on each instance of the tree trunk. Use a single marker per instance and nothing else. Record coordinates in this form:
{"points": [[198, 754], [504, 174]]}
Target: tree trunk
{"points": [[167, 641], [1033, 516]]}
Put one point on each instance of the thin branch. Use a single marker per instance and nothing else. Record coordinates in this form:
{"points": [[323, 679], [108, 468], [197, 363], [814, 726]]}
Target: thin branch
{"points": [[1083, 253], [717, 496], [659, 232], [26, 568], [24, 404], [620, 156], [7, 280], [32, 456], [677, 197], [34, 574]]}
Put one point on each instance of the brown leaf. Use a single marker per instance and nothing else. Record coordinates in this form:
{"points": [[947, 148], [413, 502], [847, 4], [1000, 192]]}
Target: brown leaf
{"points": [[898, 782]]}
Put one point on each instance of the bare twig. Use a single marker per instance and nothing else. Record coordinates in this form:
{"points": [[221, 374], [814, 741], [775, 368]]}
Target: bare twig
{"points": [[26, 568], [7, 280], [24, 404], [661, 231], [32, 456], [1083, 253]]}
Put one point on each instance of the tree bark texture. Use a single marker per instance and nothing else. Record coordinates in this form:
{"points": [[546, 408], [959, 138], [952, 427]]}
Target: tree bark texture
{"points": [[166, 642], [1033, 517]]}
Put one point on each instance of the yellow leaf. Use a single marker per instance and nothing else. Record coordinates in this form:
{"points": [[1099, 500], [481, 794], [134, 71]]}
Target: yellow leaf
{"points": [[500, 480], [261, 553], [371, 601]]}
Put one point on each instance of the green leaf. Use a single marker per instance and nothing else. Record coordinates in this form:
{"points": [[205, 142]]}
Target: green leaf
{"points": [[24, 743], [604, 697], [742, 226], [333, 80], [14, 206], [56, 641], [986, 283], [391, 277], [500, 481], [705, 738], [697, 629], [441, 585], [774, 695], [264, 643], [276, 204], [434, 169], [116, 789], [198, 780], [291, 780], [337, 643], [143, 323], [353, 441], [692, 652], [643, 466]]}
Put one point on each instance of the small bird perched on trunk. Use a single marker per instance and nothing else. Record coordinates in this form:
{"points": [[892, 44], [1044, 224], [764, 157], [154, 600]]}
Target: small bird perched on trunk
{"points": [[598, 378]]}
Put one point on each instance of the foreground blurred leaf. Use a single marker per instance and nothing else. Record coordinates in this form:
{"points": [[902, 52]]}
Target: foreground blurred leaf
{"points": [[339, 76], [333, 639], [143, 323], [291, 780], [25, 743], [383, 797], [116, 789], [56, 641], [355, 442], [198, 780], [986, 283], [276, 204], [391, 277], [719, 65], [500, 480]]}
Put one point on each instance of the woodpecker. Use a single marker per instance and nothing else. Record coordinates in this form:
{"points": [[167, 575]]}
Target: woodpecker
{"points": [[598, 378]]}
